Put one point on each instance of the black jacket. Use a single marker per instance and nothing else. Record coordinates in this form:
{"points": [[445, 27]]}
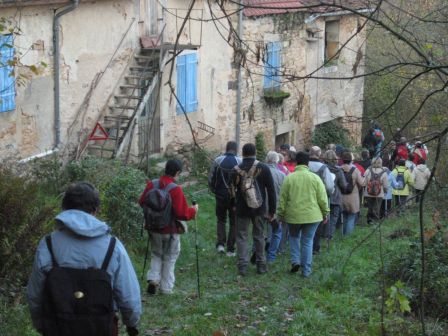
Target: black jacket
{"points": [[219, 178], [266, 185]]}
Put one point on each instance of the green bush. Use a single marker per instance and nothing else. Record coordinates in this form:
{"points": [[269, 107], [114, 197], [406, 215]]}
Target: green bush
{"points": [[330, 132], [119, 186], [120, 202], [407, 268], [201, 162], [260, 146], [25, 216]]}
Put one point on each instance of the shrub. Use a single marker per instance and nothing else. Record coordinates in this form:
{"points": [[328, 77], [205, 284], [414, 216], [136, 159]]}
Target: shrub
{"points": [[407, 267], [119, 187], [25, 216], [119, 198], [330, 132], [260, 146], [48, 172]]}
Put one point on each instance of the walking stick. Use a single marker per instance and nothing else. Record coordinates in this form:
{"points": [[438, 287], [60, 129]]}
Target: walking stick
{"points": [[146, 256], [197, 254]]}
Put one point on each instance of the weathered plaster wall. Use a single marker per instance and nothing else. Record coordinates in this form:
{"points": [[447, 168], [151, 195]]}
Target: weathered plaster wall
{"points": [[311, 101], [338, 98], [215, 101], [257, 115], [89, 72]]}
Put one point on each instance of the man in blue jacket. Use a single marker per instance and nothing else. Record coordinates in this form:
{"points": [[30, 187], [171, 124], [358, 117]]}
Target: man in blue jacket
{"points": [[80, 241], [219, 183]]}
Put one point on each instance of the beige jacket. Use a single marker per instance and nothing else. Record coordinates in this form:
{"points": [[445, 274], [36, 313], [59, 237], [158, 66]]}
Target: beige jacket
{"points": [[421, 176], [351, 202], [376, 169]]}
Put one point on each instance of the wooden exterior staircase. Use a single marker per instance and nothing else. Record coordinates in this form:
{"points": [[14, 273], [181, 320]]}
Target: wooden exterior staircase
{"points": [[126, 105]]}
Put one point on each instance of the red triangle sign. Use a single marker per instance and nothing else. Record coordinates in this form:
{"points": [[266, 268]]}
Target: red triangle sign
{"points": [[98, 133]]}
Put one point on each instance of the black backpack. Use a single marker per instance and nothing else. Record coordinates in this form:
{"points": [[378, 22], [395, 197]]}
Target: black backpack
{"points": [[157, 207], [349, 178], [78, 301]]}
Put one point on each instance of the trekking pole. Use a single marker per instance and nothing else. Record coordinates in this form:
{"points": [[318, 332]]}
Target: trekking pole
{"points": [[197, 254], [146, 256]]}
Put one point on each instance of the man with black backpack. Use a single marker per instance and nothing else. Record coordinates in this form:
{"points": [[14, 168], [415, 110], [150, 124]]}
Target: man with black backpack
{"points": [[251, 183], [165, 206], [82, 275], [219, 184]]}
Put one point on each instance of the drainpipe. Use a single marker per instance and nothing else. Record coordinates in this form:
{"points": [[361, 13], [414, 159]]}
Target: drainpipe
{"points": [[56, 54], [239, 80]]}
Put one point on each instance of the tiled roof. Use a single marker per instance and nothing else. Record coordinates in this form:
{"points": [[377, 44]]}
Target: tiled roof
{"points": [[266, 7]]}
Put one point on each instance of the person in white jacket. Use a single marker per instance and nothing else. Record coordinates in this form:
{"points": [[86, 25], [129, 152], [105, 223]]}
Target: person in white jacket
{"points": [[421, 177]]}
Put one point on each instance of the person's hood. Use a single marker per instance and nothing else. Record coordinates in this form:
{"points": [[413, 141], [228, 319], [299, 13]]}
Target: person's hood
{"points": [[82, 223], [421, 167]]}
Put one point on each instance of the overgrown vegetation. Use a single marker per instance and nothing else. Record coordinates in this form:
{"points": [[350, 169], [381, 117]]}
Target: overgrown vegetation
{"points": [[330, 132], [25, 214], [260, 146], [406, 266]]}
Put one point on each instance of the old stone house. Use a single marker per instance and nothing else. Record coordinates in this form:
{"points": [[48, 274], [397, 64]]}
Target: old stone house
{"points": [[138, 72], [309, 49]]}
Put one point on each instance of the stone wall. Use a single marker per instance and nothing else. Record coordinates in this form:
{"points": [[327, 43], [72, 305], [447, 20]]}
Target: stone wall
{"points": [[311, 101]]}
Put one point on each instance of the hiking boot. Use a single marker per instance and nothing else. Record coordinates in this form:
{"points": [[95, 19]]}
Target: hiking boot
{"points": [[242, 271], [152, 287], [294, 268], [262, 269], [253, 258], [220, 249]]}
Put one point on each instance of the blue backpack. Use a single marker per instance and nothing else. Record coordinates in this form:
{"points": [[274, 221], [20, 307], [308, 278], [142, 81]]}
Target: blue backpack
{"points": [[401, 181]]}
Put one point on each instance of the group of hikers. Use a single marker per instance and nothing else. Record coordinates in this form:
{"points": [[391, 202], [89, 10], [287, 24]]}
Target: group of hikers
{"points": [[301, 197], [82, 275]]}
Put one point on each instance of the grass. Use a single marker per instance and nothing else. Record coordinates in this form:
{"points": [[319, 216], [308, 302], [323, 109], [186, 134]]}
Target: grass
{"points": [[330, 302]]}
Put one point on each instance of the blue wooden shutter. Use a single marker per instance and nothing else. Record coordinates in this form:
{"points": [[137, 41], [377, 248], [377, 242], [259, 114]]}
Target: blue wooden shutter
{"points": [[7, 82], [272, 65], [268, 69], [192, 100], [276, 63], [181, 90]]}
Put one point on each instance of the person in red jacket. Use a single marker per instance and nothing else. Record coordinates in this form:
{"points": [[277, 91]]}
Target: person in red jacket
{"points": [[165, 243]]}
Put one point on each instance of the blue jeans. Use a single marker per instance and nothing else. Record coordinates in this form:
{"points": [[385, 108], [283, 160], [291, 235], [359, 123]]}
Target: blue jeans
{"points": [[348, 223], [335, 212], [275, 238], [301, 245]]}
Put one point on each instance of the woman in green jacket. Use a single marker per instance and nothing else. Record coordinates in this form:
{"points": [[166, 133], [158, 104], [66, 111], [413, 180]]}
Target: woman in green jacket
{"points": [[404, 179], [303, 205]]}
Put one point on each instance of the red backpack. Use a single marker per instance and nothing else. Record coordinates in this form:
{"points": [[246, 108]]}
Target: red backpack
{"points": [[374, 185]]}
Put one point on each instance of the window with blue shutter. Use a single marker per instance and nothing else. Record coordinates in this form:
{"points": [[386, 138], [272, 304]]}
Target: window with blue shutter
{"points": [[272, 66], [187, 83], [7, 82]]}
